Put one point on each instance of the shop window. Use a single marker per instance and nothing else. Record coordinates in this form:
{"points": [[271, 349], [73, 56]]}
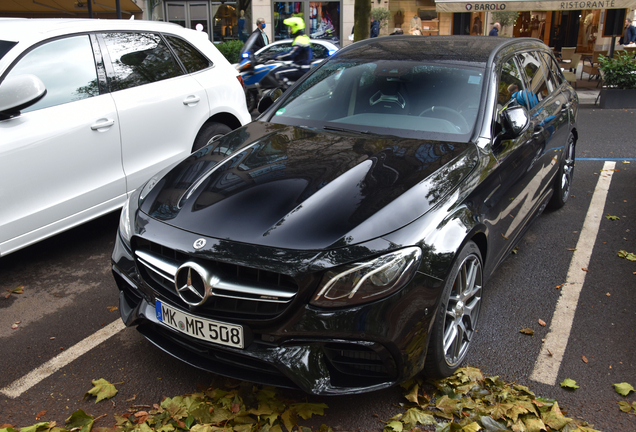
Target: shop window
{"points": [[282, 11], [324, 21]]}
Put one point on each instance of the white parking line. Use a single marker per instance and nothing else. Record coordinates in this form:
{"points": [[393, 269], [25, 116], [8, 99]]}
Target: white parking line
{"points": [[19, 386], [546, 368]]}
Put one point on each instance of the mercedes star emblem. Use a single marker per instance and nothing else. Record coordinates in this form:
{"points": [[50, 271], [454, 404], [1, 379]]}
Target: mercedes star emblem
{"points": [[192, 283], [199, 243]]}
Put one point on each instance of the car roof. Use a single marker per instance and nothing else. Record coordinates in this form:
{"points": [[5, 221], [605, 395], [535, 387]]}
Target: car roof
{"points": [[461, 49], [20, 29]]}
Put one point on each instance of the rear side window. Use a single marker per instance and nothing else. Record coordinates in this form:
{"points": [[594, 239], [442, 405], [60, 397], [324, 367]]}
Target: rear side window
{"points": [[190, 57], [138, 59], [65, 66], [535, 80]]}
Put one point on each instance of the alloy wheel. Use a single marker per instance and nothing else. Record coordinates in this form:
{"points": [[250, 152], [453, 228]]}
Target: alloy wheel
{"points": [[462, 310]]}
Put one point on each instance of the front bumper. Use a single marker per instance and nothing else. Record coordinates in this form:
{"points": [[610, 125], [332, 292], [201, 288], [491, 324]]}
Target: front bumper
{"points": [[321, 351]]}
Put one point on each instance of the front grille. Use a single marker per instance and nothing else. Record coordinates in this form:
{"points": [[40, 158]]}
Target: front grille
{"points": [[239, 293]]}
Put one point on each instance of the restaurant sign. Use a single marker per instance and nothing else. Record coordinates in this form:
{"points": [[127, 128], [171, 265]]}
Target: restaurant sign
{"points": [[528, 5]]}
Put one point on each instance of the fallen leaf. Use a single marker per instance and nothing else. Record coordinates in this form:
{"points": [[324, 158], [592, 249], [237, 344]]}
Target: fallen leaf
{"points": [[550, 353], [40, 414], [569, 383], [102, 390], [18, 290], [608, 294], [623, 389], [542, 323], [52, 337], [14, 326], [112, 308], [506, 238], [515, 250], [626, 162], [584, 359], [627, 255], [572, 249], [583, 268], [559, 286], [612, 217], [527, 331]]}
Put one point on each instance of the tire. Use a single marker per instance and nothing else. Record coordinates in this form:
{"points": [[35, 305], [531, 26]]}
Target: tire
{"points": [[457, 315], [251, 97], [208, 133], [563, 182]]}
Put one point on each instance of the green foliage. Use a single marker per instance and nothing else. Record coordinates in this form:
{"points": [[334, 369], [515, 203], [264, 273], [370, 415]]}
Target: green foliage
{"points": [[618, 72], [504, 18], [230, 50], [381, 15]]}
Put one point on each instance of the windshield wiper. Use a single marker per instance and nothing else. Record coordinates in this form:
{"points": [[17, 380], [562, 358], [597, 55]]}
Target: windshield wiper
{"points": [[340, 129]]}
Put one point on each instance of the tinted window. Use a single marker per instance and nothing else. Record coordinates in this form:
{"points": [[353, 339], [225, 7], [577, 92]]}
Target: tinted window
{"points": [[190, 57], [138, 59], [65, 66], [535, 79]]}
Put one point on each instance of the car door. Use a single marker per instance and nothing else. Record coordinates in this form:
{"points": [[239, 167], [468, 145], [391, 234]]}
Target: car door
{"points": [[160, 107], [512, 201], [60, 159]]}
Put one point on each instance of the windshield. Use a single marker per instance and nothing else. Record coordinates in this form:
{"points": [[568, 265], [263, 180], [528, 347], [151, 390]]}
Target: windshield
{"points": [[5, 46], [413, 99]]}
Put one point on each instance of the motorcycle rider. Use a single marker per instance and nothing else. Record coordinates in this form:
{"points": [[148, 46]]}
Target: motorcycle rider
{"points": [[300, 54]]}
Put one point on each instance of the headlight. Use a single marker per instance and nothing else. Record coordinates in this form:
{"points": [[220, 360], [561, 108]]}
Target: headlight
{"points": [[367, 281], [125, 230]]}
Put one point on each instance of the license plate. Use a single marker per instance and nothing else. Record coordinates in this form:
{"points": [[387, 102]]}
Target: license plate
{"points": [[200, 328]]}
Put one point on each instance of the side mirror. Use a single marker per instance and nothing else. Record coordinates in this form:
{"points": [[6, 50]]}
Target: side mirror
{"points": [[19, 92], [268, 99], [516, 119]]}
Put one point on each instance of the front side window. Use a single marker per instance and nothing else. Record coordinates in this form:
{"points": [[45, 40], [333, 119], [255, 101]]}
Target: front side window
{"points": [[190, 57], [535, 79], [138, 59], [65, 66]]}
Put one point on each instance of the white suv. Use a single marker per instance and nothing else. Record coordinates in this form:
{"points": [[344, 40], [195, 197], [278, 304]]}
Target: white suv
{"points": [[90, 109]]}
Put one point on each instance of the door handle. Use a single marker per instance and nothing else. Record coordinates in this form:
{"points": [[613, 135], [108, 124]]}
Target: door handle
{"points": [[191, 100], [102, 124], [538, 130]]}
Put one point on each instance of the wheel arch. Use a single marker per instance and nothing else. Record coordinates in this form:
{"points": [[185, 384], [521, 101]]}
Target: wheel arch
{"points": [[225, 118]]}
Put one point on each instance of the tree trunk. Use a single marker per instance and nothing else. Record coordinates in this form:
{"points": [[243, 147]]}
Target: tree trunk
{"points": [[362, 19]]}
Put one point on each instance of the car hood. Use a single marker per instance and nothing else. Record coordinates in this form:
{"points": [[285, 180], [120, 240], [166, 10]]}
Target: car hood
{"points": [[292, 187]]}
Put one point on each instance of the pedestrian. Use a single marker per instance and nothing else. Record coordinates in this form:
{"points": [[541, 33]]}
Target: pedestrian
{"points": [[375, 28], [629, 34], [262, 40], [495, 30]]}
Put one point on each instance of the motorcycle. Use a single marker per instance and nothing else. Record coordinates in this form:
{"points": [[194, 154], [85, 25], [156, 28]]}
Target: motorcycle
{"points": [[257, 73]]}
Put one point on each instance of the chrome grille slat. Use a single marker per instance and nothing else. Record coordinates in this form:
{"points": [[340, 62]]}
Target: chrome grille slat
{"points": [[241, 291]]}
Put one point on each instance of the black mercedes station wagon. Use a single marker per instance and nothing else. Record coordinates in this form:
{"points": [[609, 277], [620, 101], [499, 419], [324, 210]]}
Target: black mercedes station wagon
{"points": [[341, 242]]}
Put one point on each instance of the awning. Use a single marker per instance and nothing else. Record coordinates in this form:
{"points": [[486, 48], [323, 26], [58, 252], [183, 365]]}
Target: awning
{"points": [[529, 5], [68, 8]]}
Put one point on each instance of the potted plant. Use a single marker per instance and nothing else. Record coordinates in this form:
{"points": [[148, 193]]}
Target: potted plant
{"points": [[619, 81]]}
